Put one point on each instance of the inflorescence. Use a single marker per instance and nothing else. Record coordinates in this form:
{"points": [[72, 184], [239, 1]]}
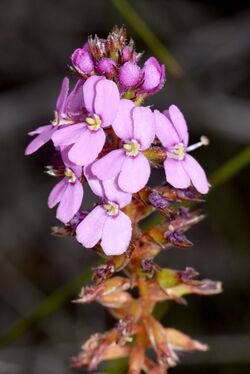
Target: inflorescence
{"points": [[104, 137]]}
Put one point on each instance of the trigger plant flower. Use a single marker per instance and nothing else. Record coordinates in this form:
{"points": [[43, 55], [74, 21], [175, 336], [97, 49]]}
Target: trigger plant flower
{"points": [[135, 127], [106, 222], [181, 168], [68, 193], [101, 100], [67, 112]]}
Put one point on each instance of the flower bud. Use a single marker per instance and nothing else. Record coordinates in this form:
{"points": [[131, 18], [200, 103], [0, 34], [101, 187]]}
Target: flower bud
{"points": [[107, 67], [128, 54], [82, 61], [154, 76], [129, 75]]}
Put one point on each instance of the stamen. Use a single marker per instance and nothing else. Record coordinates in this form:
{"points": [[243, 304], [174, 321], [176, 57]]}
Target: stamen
{"points": [[132, 148], [203, 141], [94, 122], [111, 208], [69, 173]]}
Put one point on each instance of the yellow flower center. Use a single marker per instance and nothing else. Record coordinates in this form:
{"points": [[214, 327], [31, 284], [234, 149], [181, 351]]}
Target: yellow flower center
{"points": [[132, 148], [177, 152], [111, 208], [94, 122], [69, 173]]}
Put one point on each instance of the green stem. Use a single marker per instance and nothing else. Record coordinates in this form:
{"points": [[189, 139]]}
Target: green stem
{"points": [[150, 39], [230, 168], [47, 307]]}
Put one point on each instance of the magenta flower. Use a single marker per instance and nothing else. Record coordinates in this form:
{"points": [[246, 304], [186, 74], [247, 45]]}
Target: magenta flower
{"points": [[154, 76], [68, 193], [135, 126], [106, 222], [181, 169], [101, 100], [67, 112]]}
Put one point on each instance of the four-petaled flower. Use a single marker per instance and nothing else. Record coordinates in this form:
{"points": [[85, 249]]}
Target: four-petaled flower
{"points": [[106, 222], [181, 169], [101, 99], [135, 127], [67, 112], [68, 193]]}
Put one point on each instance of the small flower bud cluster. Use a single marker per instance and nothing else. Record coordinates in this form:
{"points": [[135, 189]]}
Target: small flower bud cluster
{"points": [[117, 59], [105, 138]]}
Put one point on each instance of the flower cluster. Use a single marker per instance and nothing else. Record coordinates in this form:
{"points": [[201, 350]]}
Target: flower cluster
{"points": [[104, 137]]}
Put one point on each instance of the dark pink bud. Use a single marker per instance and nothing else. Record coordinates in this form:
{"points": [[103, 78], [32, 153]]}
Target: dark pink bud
{"points": [[82, 61], [129, 75], [154, 76], [106, 66], [128, 54]]}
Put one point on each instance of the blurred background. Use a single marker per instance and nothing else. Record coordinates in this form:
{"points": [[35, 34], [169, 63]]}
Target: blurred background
{"points": [[211, 42]]}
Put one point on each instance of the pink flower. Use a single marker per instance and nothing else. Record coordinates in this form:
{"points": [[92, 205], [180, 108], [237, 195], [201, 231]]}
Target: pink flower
{"points": [[154, 76], [68, 193], [67, 111], [181, 169], [106, 222], [101, 100], [135, 126]]}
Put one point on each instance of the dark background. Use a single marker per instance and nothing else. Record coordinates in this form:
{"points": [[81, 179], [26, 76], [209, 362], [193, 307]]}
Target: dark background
{"points": [[211, 40]]}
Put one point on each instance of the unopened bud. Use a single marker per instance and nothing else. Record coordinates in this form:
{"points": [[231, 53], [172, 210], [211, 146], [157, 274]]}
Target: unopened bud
{"points": [[107, 67], [154, 76], [82, 61], [129, 75]]}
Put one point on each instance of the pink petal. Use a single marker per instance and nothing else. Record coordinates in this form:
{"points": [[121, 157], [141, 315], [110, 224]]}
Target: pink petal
{"points": [[68, 135], [176, 174], [61, 101], [70, 202], [94, 183], [57, 192], [39, 130], [39, 141], [89, 93], [110, 165], [165, 130], [89, 231], [114, 193], [123, 125], [196, 174], [106, 101], [77, 170], [116, 236], [87, 147], [143, 126], [179, 123], [75, 103], [135, 173]]}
